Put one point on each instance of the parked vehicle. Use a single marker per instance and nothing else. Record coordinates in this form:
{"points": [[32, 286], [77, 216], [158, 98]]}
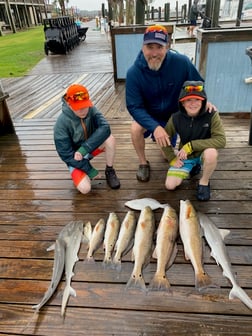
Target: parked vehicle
{"points": [[61, 35]]}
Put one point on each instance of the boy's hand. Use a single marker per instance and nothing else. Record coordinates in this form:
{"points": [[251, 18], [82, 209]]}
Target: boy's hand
{"points": [[78, 156], [176, 162]]}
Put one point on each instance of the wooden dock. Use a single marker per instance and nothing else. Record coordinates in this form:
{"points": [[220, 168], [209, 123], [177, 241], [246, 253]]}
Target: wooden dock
{"points": [[38, 199]]}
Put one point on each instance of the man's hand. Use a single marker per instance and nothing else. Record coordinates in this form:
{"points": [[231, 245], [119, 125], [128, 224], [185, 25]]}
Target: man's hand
{"points": [[161, 137], [211, 107]]}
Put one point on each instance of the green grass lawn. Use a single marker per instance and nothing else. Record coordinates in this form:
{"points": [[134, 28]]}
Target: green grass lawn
{"points": [[21, 51]]}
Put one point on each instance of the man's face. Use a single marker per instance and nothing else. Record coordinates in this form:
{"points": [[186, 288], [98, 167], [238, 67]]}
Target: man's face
{"points": [[154, 54]]}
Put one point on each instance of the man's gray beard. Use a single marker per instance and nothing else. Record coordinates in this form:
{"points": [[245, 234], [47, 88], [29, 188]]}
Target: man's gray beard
{"points": [[155, 67]]}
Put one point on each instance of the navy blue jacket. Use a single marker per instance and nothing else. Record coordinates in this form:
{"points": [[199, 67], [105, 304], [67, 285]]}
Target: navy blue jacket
{"points": [[152, 96]]}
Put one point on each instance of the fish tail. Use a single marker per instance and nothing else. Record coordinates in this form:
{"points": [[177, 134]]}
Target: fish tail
{"points": [[160, 283], [136, 282], [203, 280], [67, 292], [107, 261], [117, 265], [239, 293], [89, 260]]}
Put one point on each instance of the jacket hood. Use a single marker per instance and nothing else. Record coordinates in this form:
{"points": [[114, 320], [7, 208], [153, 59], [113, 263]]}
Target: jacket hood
{"points": [[193, 89]]}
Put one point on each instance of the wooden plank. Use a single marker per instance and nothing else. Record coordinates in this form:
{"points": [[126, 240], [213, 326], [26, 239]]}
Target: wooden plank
{"points": [[97, 322]]}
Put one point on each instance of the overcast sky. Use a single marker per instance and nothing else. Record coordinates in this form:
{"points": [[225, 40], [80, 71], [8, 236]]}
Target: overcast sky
{"points": [[96, 4]]}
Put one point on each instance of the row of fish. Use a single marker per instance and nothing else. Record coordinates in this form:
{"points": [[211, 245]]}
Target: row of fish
{"points": [[119, 238]]}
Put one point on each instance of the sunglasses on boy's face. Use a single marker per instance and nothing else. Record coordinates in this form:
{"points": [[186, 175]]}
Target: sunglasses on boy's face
{"points": [[190, 88], [80, 96]]}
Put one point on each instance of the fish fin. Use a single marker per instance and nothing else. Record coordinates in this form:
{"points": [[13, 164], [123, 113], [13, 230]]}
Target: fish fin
{"points": [[136, 282], [203, 281], [224, 233], [215, 257], [67, 292], [51, 247], [164, 205], [160, 283], [239, 293], [173, 256]]}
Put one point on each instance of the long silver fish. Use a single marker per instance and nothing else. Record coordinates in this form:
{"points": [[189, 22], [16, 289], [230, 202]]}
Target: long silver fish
{"points": [[141, 203], [73, 241], [59, 248], [110, 237], [95, 240], [190, 233], [142, 248], [166, 248], [58, 268], [125, 239], [215, 238]]}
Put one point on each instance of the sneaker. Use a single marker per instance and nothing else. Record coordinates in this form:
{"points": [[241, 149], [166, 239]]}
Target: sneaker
{"points": [[203, 192], [195, 170], [143, 173], [111, 178]]}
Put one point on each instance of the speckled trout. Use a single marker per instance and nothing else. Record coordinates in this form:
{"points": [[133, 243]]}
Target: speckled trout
{"points": [[166, 248], [142, 248], [110, 237], [125, 239], [95, 238], [190, 233]]}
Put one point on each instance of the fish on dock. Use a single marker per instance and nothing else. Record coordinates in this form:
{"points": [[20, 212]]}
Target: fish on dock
{"points": [[190, 233], [141, 203], [166, 248], [110, 237], [73, 241], [95, 239], [142, 249], [58, 268], [125, 239], [215, 239], [59, 248]]}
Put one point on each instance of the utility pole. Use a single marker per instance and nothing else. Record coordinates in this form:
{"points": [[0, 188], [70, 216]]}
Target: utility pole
{"points": [[239, 12]]}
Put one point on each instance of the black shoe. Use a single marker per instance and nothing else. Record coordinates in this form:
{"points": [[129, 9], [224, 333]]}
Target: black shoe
{"points": [[111, 178], [143, 173], [203, 192], [195, 170]]}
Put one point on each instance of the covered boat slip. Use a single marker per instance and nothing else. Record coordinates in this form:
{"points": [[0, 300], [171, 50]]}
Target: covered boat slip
{"points": [[38, 199]]}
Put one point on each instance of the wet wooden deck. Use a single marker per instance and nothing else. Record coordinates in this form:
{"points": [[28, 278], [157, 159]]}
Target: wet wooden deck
{"points": [[38, 200]]}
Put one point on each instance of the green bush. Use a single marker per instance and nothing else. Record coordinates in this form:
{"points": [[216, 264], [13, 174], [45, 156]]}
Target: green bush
{"points": [[21, 51]]}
